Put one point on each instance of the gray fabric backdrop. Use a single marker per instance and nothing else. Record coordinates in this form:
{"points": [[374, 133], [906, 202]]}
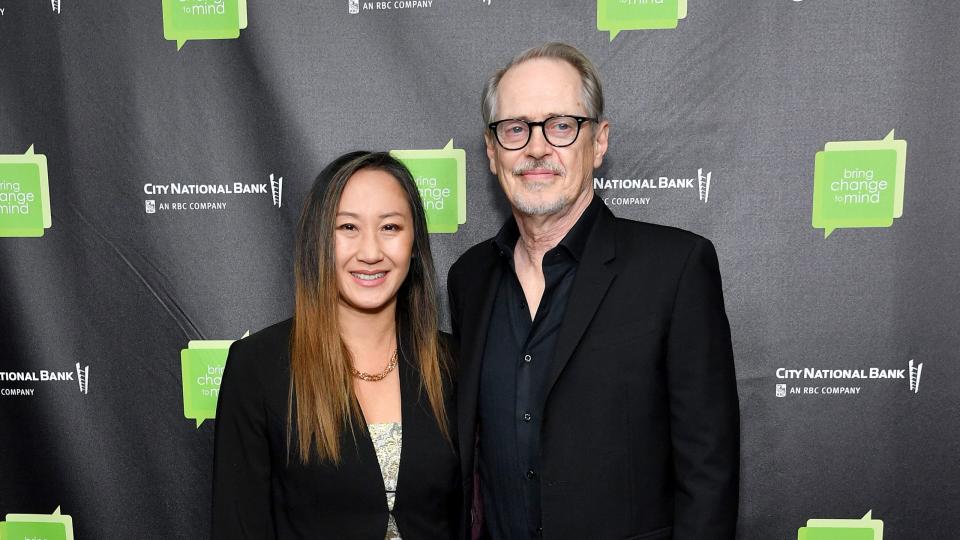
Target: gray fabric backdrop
{"points": [[748, 90]]}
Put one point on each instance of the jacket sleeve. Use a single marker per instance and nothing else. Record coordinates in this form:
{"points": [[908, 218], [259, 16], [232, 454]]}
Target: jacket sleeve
{"points": [[704, 408], [241, 462]]}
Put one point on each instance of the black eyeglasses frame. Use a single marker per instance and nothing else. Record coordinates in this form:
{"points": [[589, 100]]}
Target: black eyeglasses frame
{"points": [[542, 124]]}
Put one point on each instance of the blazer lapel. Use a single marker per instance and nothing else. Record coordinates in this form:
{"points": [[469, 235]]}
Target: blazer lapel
{"points": [[476, 309], [589, 287], [411, 413]]}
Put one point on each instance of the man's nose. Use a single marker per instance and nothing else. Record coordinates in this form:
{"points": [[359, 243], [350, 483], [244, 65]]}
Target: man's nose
{"points": [[538, 146]]}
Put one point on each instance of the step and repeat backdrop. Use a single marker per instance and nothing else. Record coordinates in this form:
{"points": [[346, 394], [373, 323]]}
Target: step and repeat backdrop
{"points": [[154, 156]]}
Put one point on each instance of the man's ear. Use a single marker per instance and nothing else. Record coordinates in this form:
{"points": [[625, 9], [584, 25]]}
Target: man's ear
{"points": [[491, 151], [600, 143]]}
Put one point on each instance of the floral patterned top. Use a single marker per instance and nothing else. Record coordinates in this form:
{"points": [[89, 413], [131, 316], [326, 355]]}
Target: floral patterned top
{"points": [[387, 440]]}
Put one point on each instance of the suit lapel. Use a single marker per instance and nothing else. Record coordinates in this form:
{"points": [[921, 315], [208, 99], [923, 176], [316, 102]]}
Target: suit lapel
{"points": [[476, 309], [411, 412], [589, 287]]}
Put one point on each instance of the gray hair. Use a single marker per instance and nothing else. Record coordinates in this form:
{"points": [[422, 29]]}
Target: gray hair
{"points": [[589, 78]]}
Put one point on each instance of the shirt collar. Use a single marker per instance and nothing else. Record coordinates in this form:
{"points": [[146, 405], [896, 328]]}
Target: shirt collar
{"points": [[575, 242]]}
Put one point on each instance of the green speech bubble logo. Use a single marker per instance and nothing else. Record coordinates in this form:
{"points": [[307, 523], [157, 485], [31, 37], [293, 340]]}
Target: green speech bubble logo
{"points": [[55, 526], [24, 195], [441, 177], [615, 16], [865, 528], [859, 184], [201, 368], [185, 20]]}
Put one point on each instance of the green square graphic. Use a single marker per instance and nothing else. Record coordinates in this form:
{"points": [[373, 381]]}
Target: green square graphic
{"points": [[859, 184], [441, 179], [24, 195], [865, 528], [855, 188], [889, 143], [615, 16], [201, 365], [55, 526], [186, 20]]}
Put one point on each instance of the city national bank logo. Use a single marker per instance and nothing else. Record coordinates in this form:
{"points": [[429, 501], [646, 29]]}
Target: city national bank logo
{"points": [[865, 528], [188, 20], [24, 195], [858, 184], [911, 375], [276, 189], [273, 189], [615, 16], [441, 177], [915, 372], [55, 526], [201, 367], [631, 191], [81, 377]]}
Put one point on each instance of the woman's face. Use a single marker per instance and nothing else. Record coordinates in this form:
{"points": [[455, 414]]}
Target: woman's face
{"points": [[373, 239]]}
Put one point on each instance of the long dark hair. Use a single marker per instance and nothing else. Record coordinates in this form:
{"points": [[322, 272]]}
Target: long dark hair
{"points": [[321, 389]]}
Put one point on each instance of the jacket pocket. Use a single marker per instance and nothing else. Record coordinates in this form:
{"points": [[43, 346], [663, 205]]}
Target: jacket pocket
{"points": [[658, 534]]}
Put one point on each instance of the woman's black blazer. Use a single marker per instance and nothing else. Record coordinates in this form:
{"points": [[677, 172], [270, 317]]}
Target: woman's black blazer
{"points": [[258, 495]]}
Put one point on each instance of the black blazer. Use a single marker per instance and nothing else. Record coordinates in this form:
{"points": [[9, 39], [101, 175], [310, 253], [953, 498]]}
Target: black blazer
{"points": [[257, 495], [640, 435]]}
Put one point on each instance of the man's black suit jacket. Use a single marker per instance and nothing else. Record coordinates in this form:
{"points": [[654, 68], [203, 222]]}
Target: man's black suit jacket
{"points": [[640, 436]]}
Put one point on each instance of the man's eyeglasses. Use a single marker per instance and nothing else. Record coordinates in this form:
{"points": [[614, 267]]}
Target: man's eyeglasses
{"points": [[559, 131]]}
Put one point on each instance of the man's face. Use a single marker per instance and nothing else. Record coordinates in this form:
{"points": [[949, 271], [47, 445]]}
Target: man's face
{"points": [[540, 179]]}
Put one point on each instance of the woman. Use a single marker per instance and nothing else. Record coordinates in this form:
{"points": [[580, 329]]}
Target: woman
{"points": [[339, 423]]}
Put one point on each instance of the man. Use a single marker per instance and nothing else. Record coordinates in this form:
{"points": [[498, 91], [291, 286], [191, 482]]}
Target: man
{"points": [[597, 395]]}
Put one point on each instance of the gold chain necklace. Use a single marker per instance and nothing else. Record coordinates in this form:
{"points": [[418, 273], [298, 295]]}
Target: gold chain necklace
{"points": [[378, 376]]}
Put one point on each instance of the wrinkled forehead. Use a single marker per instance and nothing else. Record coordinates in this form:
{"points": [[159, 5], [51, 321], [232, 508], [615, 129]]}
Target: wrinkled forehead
{"points": [[535, 89]]}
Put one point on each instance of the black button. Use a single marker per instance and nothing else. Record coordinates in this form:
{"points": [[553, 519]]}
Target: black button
{"points": [[540, 530], [527, 417], [523, 306], [527, 358], [531, 475]]}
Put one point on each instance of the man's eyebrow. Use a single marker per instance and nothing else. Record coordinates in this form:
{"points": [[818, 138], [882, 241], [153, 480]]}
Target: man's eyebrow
{"points": [[545, 116]]}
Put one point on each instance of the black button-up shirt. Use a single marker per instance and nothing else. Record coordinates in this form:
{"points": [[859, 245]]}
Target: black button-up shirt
{"points": [[513, 381]]}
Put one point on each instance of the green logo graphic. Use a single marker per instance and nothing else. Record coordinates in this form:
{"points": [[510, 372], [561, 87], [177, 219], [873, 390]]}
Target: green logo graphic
{"points": [[858, 184], [441, 177], [201, 366], [185, 20], [54, 526], [866, 528], [24, 194], [615, 16]]}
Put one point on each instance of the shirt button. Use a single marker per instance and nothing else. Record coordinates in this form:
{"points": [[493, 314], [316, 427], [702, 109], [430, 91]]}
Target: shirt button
{"points": [[527, 358], [531, 475], [527, 417], [540, 530]]}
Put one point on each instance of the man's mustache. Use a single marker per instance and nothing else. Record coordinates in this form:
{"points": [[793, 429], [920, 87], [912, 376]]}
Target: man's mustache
{"points": [[555, 168]]}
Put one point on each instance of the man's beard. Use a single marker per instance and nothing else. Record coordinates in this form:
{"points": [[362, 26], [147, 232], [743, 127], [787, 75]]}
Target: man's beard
{"points": [[531, 207]]}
